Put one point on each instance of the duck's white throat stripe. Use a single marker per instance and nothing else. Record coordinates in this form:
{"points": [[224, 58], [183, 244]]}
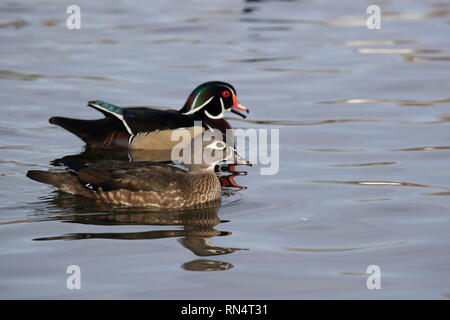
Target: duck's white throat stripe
{"points": [[199, 107], [220, 115]]}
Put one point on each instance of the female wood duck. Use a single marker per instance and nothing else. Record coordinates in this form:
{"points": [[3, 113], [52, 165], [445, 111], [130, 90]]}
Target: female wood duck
{"points": [[144, 184], [207, 103]]}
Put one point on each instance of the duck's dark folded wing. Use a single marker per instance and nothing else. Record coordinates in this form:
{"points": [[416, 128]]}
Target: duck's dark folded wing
{"points": [[142, 119], [145, 119], [157, 177]]}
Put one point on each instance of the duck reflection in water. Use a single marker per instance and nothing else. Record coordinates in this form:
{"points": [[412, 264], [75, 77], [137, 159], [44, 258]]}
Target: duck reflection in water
{"points": [[196, 233]]}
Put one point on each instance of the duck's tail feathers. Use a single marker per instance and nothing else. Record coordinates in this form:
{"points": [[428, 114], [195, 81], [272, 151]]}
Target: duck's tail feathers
{"points": [[53, 178], [62, 180], [93, 132]]}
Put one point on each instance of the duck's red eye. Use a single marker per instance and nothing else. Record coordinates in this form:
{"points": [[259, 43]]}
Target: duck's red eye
{"points": [[225, 94]]}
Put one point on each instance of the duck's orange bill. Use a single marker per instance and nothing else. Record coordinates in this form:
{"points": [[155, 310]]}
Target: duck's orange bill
{"points": [[237, 106], [228, 181]]}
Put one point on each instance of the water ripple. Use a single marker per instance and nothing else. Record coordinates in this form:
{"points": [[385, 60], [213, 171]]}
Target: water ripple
{"points": [[385, 163], [27, 148], [332, 250], [14, 75], [16, 24], [407, 103], [20, 164], [306, 71], [429, 148], [376, 183], [264, 59], [334, 150], [395, 51], [377, 42], [301, 122], [385, 184], [416, 58]]}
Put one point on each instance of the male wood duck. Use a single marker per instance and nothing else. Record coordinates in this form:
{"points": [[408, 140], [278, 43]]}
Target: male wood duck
{"points": [[207, 103], [144, 184]]}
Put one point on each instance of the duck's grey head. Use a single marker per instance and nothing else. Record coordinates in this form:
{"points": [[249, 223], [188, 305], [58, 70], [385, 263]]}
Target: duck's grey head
{"points": [[217, 152], [212, 154]]}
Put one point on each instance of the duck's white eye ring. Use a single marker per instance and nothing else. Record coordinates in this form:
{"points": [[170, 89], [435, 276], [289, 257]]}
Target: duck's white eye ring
{"points": [[218, 145]]}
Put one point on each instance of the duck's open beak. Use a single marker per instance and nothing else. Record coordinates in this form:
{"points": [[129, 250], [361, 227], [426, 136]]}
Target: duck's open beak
{"points": [[236, 106], [228, 181]]}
